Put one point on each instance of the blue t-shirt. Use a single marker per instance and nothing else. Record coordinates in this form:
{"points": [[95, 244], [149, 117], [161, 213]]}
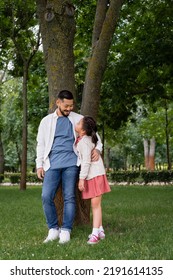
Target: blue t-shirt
{"points": [[62, 154]]}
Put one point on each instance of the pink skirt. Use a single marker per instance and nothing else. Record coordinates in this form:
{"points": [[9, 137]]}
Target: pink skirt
{"points": [[96, 187]]}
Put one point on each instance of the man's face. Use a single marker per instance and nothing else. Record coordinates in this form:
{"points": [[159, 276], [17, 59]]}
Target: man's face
{"points": [[65, 106]]}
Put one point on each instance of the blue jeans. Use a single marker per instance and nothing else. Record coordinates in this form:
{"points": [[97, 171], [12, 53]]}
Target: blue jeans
{"points": [[68, 177]]}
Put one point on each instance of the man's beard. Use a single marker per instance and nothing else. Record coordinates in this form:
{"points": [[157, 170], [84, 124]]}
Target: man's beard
{"points": [[63, 112]]}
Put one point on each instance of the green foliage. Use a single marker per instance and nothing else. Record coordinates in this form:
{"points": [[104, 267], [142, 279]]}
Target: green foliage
{"points": [[141, 177], [18, 35], [38, 98], [14, 178], [140, 60]]}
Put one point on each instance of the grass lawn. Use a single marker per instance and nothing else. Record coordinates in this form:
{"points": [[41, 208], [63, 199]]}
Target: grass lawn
{"points": [[138, 222]]}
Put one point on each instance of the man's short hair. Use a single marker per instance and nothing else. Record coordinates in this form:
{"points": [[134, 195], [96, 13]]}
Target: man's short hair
{"points": [[65, 94]]}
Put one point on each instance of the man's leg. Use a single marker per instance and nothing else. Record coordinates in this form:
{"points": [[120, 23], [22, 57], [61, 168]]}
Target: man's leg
{"points": [[69, 179], [50, 185]]}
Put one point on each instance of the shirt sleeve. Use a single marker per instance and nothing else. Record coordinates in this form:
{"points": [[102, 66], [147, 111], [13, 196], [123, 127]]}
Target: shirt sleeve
{"points": [[40, 146], [99, 145], [85, 147]]}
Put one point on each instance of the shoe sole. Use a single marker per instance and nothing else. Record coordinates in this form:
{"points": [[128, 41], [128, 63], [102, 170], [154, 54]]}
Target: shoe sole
{"points": [[101, 238], [93, 243], [50, 240], [63, 242]]}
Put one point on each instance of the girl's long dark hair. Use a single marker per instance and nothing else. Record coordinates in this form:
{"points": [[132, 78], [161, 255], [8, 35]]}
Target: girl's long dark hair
{"points": [[90, 127]]}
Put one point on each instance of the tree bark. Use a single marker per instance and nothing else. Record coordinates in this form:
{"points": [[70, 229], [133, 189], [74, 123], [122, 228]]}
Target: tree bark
{"points": [[107, 161], [103, 33], [146, 154], [57, 29], [24, 129], [149, 154], [167, 137], [152, 154], [1, 159]]}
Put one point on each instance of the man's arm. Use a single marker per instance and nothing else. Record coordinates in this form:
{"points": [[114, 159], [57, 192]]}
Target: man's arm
{"points": [[40, 152]]}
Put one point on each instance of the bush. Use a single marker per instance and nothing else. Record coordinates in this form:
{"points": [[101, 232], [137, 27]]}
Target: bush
{"points": [[1, 177], [130, 177], [146, 177], [14, 178]]}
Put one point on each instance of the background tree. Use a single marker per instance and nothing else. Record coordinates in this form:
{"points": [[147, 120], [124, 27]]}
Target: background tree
{"points": [[106, 17], [20, 22], [57, 29], [140, 63]]}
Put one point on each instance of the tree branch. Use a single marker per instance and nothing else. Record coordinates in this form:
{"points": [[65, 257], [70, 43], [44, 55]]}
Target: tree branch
{"points": [[101, 9]]}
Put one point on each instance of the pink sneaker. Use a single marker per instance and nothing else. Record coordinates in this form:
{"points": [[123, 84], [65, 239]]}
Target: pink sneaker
{"points": [[93, 239], [101, 235]]}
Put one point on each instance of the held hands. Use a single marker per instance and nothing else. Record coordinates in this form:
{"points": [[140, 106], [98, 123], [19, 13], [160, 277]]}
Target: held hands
{"points": [[81, 186], [40, 173]]}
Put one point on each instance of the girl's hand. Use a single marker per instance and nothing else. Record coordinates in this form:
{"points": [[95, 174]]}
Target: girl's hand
{"points": [[81, 184]]}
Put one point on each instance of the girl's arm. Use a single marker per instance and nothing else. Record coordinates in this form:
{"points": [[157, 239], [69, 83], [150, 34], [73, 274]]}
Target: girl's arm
{"points": [[85, 148]]}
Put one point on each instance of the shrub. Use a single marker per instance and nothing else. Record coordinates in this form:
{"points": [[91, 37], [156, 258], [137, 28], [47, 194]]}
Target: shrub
{"points": [[14, 178], [164, 176], [1, 178]]}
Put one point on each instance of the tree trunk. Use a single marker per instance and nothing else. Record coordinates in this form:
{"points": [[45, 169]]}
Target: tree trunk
{"points": [[146, 154], [167, 137], [24, 129], [107, 161], [149, 154], [1, 160], [104, 28], [57, 29], [152, 154]]}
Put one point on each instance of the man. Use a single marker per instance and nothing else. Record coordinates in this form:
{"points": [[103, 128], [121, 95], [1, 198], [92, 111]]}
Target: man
{"points": [[57, 162]]}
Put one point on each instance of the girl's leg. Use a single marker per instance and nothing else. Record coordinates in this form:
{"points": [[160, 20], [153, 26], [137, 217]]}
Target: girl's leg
{"points": [[96, 211], [97, 219]]}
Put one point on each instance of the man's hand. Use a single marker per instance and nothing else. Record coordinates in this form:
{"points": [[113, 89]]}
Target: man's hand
{"points": [[81, 184], [95, 155], [40, 173]]}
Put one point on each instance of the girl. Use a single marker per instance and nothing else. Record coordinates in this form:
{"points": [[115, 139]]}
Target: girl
{"points": [[92, 178]]}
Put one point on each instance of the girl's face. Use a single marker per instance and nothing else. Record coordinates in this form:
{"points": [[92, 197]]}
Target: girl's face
{"points": [[79, 127]]}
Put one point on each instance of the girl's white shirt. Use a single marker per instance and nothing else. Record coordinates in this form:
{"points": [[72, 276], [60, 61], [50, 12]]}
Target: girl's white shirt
{"points": [[89, 169]]}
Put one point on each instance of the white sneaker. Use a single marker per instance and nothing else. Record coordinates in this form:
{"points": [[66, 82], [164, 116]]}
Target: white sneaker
{"points": [[52, 235], [64, 236]]}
